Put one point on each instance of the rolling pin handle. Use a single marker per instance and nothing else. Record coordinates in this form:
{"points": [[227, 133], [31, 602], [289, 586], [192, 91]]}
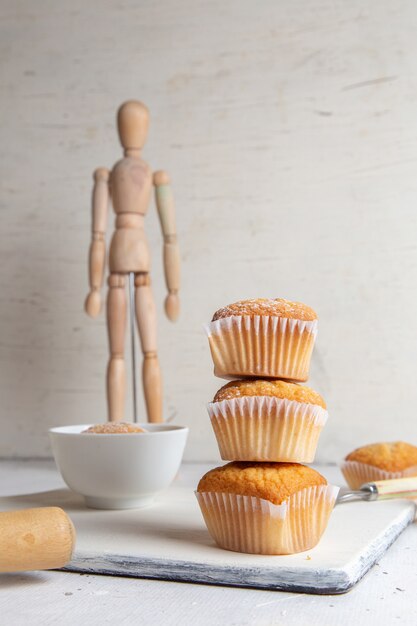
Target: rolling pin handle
{"points": [[35, 539]]}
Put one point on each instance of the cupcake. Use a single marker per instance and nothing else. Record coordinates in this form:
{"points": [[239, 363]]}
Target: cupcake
{"points": [[379, 461], [265, 508], [267, 420], [263, 338], [114, 428]]}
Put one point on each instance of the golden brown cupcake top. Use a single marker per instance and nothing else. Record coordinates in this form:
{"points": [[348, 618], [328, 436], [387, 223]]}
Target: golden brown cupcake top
{"points": [[275, 388], [391, 457], [277, 307], [114, 428], [271, 481]]}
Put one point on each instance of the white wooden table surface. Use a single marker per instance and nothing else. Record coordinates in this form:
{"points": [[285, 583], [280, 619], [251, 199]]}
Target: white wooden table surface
{"points": [[386, 596]]}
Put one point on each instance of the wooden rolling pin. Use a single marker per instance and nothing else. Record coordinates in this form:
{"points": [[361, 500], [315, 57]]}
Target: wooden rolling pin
{"points": [[34, 539]]}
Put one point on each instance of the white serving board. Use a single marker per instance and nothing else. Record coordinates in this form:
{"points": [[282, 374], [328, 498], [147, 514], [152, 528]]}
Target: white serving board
{"points": [[169, 540]]}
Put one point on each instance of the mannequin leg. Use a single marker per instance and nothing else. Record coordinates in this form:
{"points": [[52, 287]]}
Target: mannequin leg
{"points": [[116, 327], [151, 374]]}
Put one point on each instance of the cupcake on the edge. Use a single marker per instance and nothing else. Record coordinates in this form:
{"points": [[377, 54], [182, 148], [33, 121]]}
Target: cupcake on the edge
{"points": [[379, 461], [265, 508], [267, 420], [268, 338]]}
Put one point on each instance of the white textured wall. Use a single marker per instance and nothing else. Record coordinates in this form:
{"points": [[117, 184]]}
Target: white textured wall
{"points": [[290, 131]]}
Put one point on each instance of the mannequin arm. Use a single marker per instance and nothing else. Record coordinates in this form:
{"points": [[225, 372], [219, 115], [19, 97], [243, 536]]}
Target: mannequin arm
{"points": [[166, 211], [97, 255]]}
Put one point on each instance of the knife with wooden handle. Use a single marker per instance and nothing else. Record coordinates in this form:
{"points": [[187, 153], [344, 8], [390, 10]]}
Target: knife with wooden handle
{"points": [[35, 539], [382, 490]]}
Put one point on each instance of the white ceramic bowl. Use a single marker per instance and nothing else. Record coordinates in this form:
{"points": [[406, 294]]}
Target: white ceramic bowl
{"points": [[118, 471]]}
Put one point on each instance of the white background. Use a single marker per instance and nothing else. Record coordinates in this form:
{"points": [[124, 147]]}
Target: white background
{"points": [[290, 133]]}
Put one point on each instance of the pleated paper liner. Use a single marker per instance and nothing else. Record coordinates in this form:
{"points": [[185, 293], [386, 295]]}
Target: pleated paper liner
{"points": [[262, 346], [357, 474], [266, 428], [257, 526]]}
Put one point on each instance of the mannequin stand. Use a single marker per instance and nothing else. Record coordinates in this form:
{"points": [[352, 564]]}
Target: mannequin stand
{"points": [[132, 342]]}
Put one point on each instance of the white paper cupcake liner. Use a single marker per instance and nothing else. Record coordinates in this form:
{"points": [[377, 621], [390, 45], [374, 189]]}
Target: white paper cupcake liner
{"points": [[266, 428], [357, 474], [262, 346], [257, 526]]}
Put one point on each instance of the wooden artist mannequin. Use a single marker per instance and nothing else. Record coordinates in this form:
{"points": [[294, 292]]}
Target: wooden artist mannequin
{"points": [[129, 185]]}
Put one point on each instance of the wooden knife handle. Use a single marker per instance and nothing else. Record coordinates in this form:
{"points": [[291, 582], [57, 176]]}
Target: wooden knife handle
{"points": [[34, 539], [396, 488]]}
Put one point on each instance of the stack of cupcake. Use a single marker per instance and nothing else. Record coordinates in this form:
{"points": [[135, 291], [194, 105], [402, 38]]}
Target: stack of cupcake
{"points": [[265, 501]]}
